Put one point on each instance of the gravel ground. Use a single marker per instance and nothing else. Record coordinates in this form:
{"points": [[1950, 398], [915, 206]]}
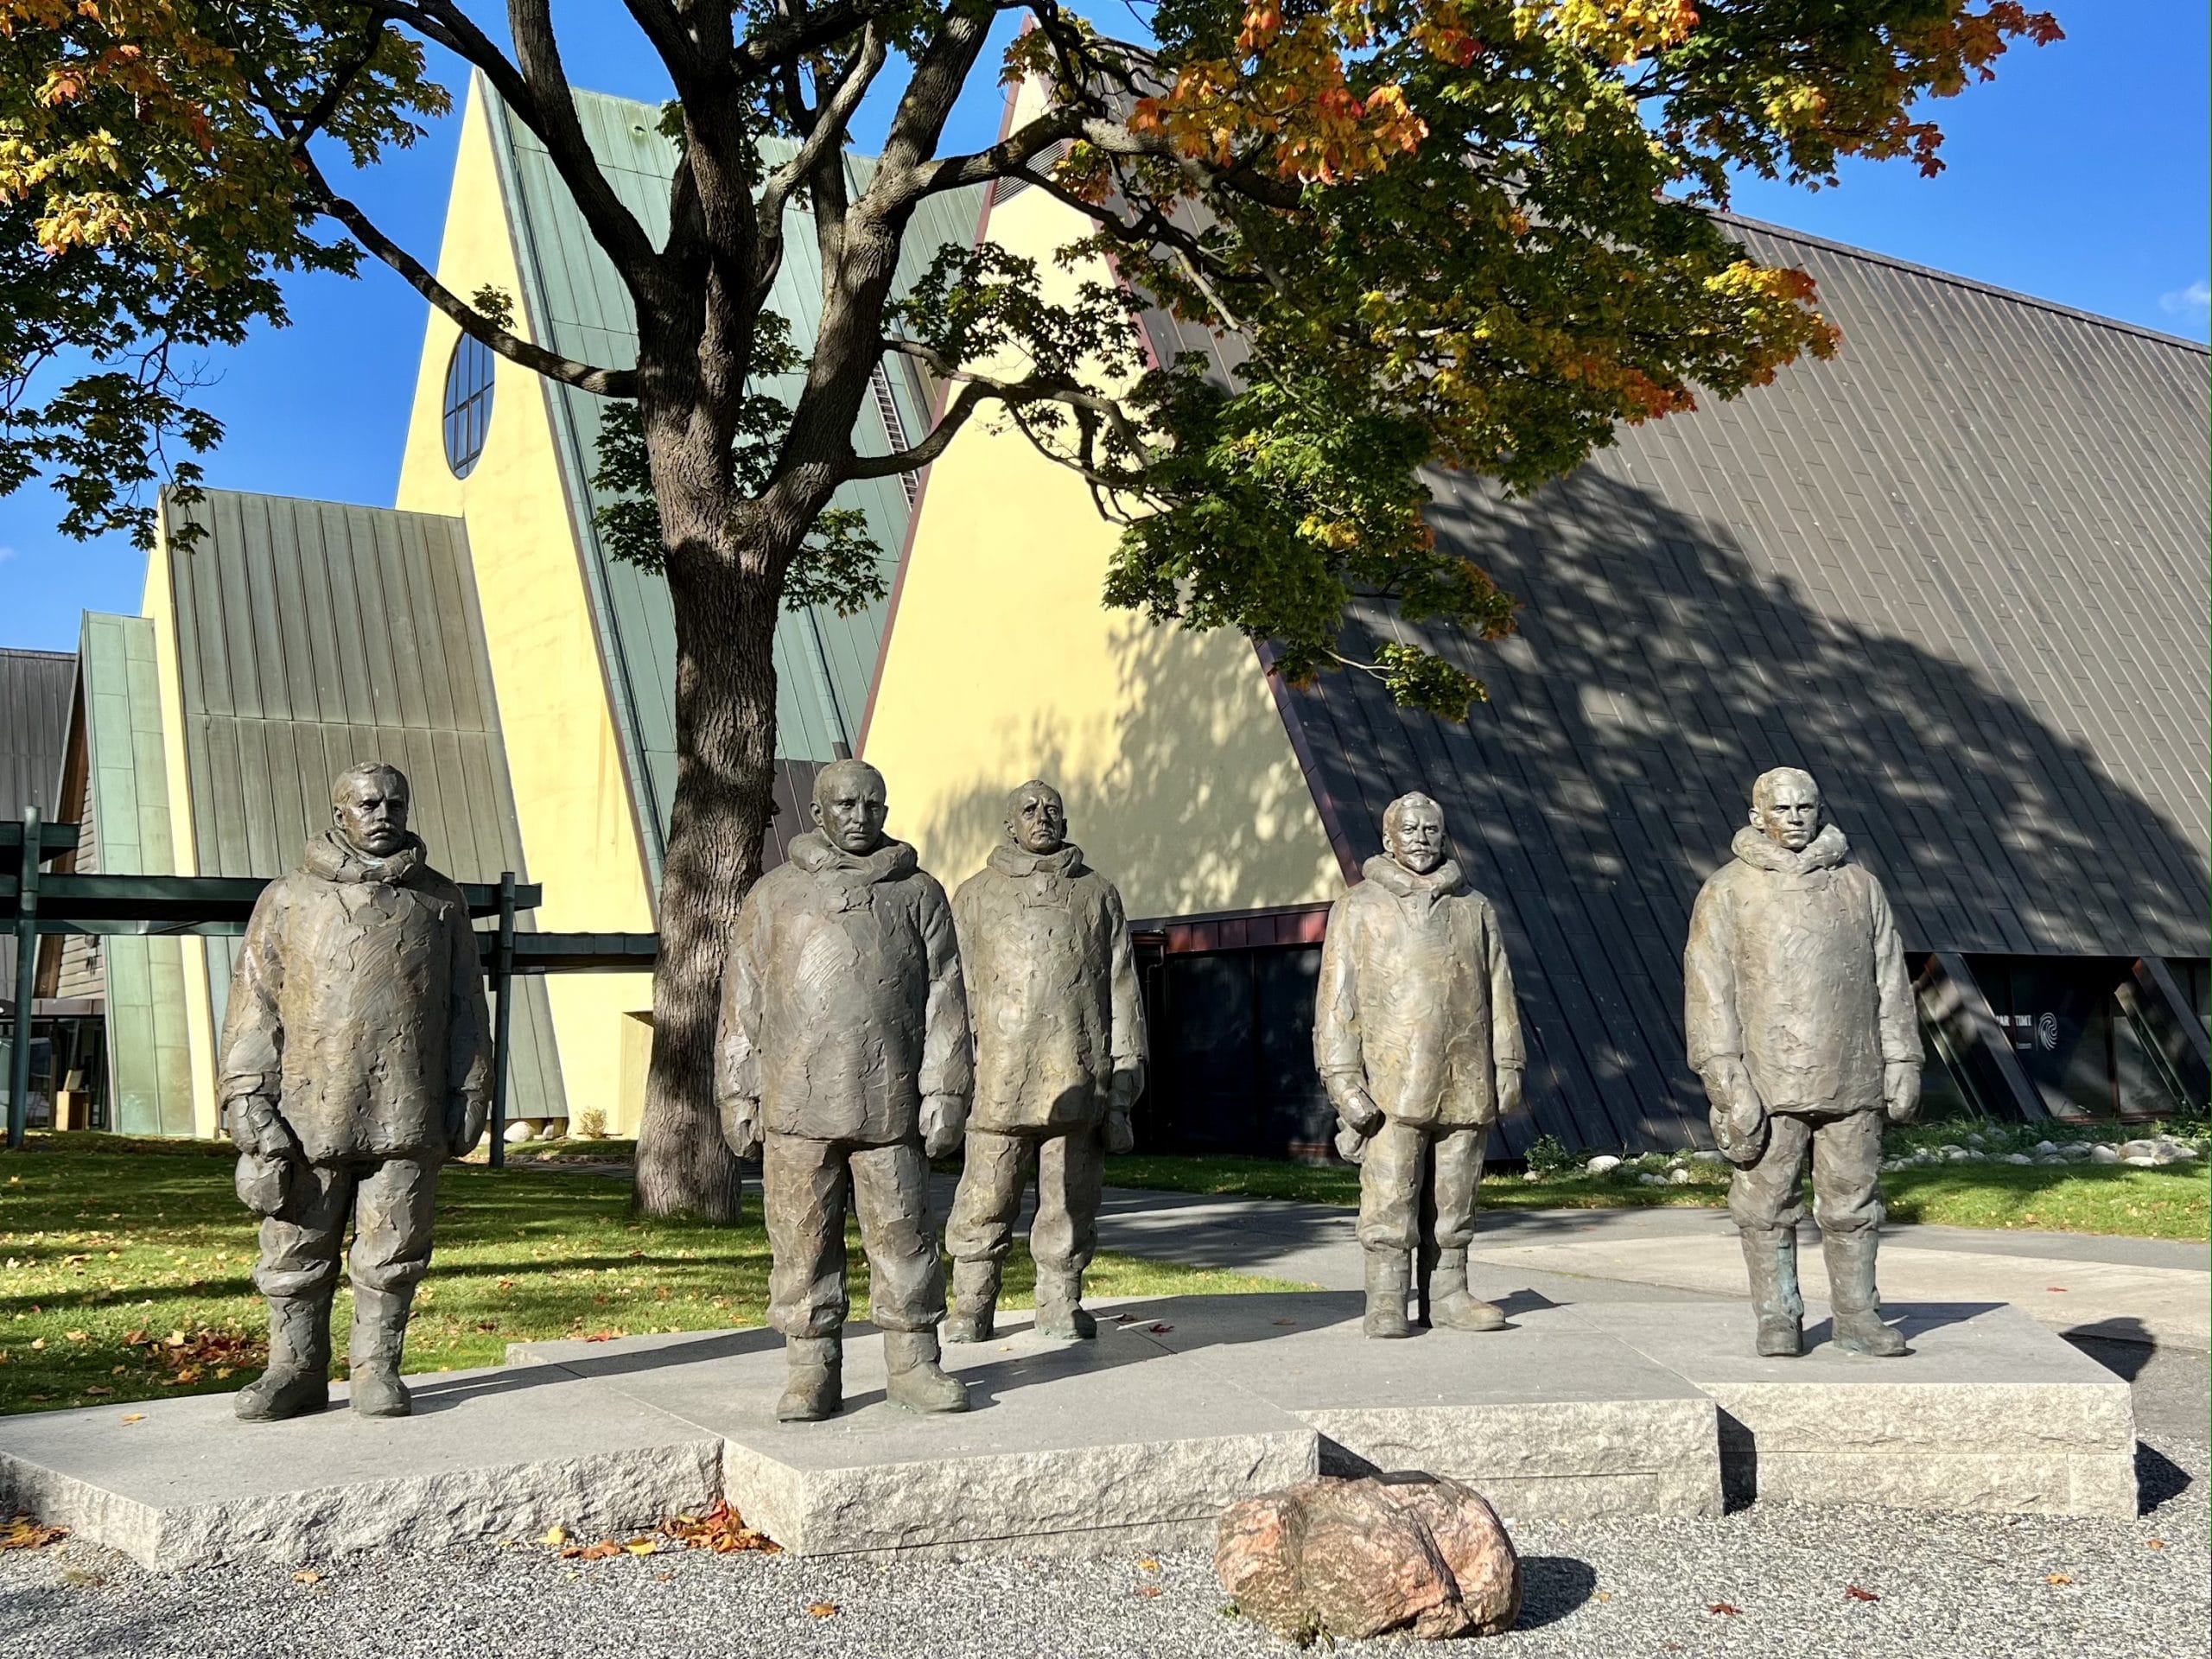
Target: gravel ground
{"points": [[1953, 1586]]}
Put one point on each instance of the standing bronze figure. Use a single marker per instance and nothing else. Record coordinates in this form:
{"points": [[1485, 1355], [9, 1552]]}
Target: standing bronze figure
{"points": [[843, 1058], [1802, 1022], [355, 1059], [1417, 1035], [1059, 1060]]}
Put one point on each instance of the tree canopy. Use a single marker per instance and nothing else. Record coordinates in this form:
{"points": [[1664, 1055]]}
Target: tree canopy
{"points": [[1473, 234]]}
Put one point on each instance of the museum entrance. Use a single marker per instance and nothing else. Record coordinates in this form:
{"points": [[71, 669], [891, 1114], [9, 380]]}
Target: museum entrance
{"points": [[2085, 1035]]}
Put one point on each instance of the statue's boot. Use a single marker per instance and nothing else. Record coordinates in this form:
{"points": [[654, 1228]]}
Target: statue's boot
{"points": [[1855, 1311], [297, 1381], [1771, 1254], [1450, 1303], [1060, 1312], [917, 1383], [1389, 1276], [817, 1385], [974, 1302], [379, 1335]]}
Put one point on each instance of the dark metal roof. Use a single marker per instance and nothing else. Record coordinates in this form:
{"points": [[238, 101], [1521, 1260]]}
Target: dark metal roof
{"points": [[1958, 573], [34, 691], [313, 635]]}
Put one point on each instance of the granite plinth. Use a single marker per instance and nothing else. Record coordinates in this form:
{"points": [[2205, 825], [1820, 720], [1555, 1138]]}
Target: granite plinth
{"points": [[1987, 1410], [502, 1453], [1069, 1448], [1138, 1439], [1548, 1417]]}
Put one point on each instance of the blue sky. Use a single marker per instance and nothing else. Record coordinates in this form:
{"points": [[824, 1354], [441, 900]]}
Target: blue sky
{"points": [[2080, 174]]}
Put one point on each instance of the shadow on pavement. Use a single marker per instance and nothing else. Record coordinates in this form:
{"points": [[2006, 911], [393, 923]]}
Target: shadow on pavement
{"points": [[1552, 1586]]}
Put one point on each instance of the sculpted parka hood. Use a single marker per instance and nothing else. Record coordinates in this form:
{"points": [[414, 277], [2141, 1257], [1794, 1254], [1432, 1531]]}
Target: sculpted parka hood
{"points": [[1052, 989], [1794, 964], [843, 1004], [358, 1004], [1416, 998]]}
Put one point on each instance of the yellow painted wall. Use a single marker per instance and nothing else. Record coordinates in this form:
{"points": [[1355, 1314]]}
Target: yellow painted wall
{"points": [[1003, 665], [159, 603], [572, 794]]}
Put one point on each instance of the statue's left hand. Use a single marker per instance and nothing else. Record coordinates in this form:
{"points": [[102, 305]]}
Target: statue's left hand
{"points": [[1120, 1136], [1509, 1089], [1901, 1091], [944, 1119], [466, 1117]]}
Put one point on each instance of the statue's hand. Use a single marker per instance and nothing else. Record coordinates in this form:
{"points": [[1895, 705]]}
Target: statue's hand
{"points": [[1901, 1091], [741, 1124], [1509, 1089], [1358, 1110], [1739, 1115], [256, 1128], [944, 1119], [1122, 1089], [466, 1116], [1121, 1136], [1352, 1145]]}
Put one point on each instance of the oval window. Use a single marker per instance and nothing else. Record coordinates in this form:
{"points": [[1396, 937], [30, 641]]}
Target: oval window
{"points": [[468, 403]]}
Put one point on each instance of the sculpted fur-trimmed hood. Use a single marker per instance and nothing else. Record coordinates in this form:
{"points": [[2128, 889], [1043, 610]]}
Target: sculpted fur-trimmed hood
{"points": [[331, 857], [1444, 882], [1829, 848]]}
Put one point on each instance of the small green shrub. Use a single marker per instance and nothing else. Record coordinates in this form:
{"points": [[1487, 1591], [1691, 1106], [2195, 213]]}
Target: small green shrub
{"points": [[1548, 1159]]}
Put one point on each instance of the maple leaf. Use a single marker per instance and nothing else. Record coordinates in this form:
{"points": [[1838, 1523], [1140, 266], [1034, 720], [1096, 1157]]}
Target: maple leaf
{"points": [[24, 1532]]}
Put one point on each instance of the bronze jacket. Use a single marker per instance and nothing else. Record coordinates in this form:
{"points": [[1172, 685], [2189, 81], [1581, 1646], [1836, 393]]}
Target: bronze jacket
{"points": [[1052, 989], [1794, 964], [358, 1004], [1415, 1001], [842, 999]]}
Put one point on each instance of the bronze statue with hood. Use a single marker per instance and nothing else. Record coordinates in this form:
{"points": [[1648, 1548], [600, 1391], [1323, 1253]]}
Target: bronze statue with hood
{"points": [[1417, 1035], [355, 1059], [1802, 1022]]}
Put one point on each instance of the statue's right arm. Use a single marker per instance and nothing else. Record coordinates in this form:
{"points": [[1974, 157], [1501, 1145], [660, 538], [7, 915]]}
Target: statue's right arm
{"points": [[1336, 1054], [251, 1052], [737, 1056]]}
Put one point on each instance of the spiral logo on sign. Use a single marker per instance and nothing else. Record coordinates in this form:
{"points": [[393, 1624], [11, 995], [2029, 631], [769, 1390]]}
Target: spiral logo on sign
{"points": [[2047, 1031]]}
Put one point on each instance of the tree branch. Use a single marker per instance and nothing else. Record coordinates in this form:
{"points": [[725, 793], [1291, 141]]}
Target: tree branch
{"points": [[607, 382], [830, 125], [976, 389], [612, 226]]}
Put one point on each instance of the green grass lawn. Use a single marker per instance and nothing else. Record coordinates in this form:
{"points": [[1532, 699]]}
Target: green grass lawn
{"points": [[126, 1273], [2171, 1202]]}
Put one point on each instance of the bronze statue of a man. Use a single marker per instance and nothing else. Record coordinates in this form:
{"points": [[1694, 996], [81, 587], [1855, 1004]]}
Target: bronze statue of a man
{"points": [[843, 1056], [1417, 1035], [1801, 1021], [1059, 1058], [355, 1059]]}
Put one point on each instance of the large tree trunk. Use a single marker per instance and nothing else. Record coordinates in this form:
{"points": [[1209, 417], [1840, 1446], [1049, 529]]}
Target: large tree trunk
{"points": [[726, 607]]}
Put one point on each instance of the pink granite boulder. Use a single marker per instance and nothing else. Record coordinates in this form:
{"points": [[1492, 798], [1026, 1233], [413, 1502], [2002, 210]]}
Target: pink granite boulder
{"points": [[1406, 1554]]}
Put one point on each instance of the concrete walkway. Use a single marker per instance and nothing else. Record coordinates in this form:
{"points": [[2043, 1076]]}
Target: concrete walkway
{"points": [[2151, 1291]]}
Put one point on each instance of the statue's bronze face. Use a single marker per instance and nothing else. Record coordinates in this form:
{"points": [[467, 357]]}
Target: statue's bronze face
{"points": [[849, 807], [1789, 813], [1037, 819], [370, 809], [1415, 835]]}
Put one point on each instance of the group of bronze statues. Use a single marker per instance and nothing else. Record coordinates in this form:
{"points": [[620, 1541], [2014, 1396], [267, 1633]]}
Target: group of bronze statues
{"points": [[869, 1025]]}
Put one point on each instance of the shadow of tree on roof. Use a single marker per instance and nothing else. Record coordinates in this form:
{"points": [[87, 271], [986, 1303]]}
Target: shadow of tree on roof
{"points": [[1659, 669]]}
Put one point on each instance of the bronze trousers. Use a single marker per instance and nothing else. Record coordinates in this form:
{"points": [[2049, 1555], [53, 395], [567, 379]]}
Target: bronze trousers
{"points": [[1070, 1169], [389, 1202], [804, 1184], [1846, 1151], [1390, 1183]]}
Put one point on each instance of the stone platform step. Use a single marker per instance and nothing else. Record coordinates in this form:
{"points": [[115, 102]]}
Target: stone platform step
{"points": [[1140, 1439]]}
